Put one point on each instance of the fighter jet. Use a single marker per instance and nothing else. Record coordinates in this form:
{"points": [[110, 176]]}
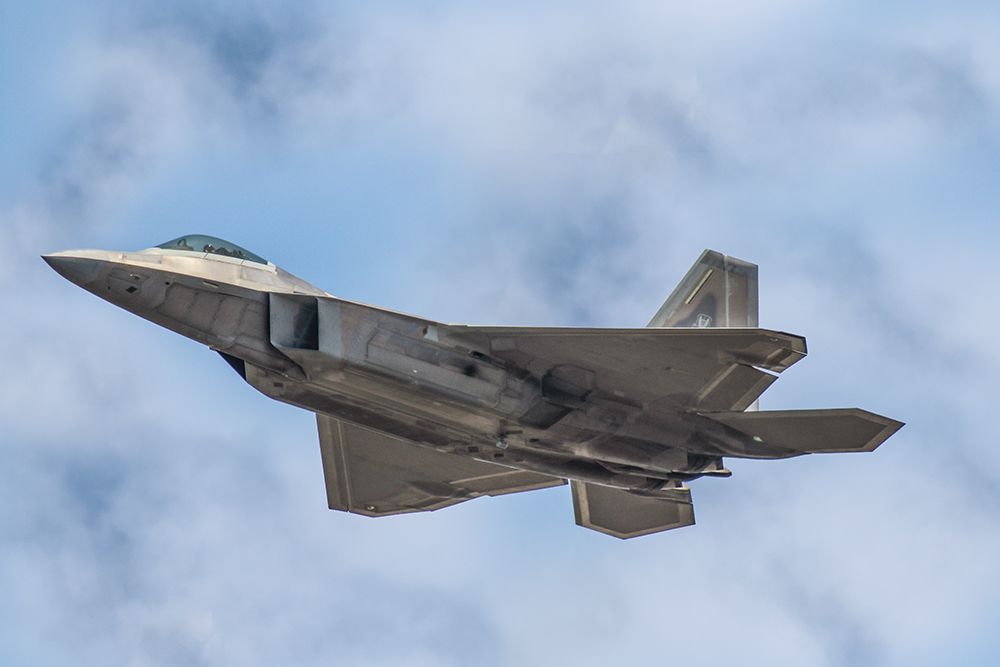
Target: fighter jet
{"points": [[415, 415]]}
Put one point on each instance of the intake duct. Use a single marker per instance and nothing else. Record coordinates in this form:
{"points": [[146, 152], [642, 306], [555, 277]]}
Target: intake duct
{"points": [[294, 322]]}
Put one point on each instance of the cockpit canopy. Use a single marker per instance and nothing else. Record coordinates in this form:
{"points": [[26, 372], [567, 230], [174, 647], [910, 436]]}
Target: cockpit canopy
{"points": [[209, 244]]}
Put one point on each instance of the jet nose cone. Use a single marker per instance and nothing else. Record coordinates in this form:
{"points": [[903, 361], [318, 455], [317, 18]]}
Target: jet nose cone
{"points": [[74, 268]]}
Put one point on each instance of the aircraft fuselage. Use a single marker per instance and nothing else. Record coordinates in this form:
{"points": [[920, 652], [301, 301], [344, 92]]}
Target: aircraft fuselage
{"points": [[385, 370], [421, 414]]}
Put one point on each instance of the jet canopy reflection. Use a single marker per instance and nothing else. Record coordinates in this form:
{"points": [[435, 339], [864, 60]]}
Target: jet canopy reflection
{"points": [[202, 243]]}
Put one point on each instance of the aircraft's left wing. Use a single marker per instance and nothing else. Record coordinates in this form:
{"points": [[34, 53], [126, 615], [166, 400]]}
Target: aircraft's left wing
{"points": [[372, 473], [711, 369]]}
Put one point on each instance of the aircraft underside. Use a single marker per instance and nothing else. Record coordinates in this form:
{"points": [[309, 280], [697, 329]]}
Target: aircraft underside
{"points": [[415, 415]]}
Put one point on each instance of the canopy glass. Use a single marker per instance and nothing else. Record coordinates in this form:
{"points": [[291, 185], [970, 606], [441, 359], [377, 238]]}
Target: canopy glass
{"points": [[210, 244]]}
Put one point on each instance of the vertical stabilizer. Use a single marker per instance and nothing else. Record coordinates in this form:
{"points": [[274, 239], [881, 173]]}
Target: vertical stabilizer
{"points": [[718, 291]]}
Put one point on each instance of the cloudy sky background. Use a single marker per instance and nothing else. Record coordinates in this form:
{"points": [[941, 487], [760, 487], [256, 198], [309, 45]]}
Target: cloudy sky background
{"points": [[520, 163]]}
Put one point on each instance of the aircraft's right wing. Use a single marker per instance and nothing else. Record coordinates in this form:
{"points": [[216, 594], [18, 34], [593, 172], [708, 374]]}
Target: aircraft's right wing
{"points": [[372, 473], [624, 514]]}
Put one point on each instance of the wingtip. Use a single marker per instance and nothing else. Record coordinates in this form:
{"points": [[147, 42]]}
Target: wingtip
{"points": [[890, 429]]}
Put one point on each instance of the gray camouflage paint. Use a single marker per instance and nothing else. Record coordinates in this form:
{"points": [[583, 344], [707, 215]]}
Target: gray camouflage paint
{"points": [[415, 415]]}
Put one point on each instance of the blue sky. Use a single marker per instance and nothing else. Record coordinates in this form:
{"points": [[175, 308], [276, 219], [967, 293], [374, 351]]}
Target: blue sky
{"points": [[522, 163]]}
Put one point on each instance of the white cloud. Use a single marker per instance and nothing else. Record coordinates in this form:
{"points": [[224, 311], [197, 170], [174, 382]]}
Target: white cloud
{"points": [[600, 151]]}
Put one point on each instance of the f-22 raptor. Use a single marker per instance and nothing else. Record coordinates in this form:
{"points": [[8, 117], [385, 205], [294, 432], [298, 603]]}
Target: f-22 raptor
{"points": [[416, 415]]}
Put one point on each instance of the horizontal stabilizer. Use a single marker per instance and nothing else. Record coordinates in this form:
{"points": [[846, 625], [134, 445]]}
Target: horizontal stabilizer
{"points": [[811, 431], [625, 514]]}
